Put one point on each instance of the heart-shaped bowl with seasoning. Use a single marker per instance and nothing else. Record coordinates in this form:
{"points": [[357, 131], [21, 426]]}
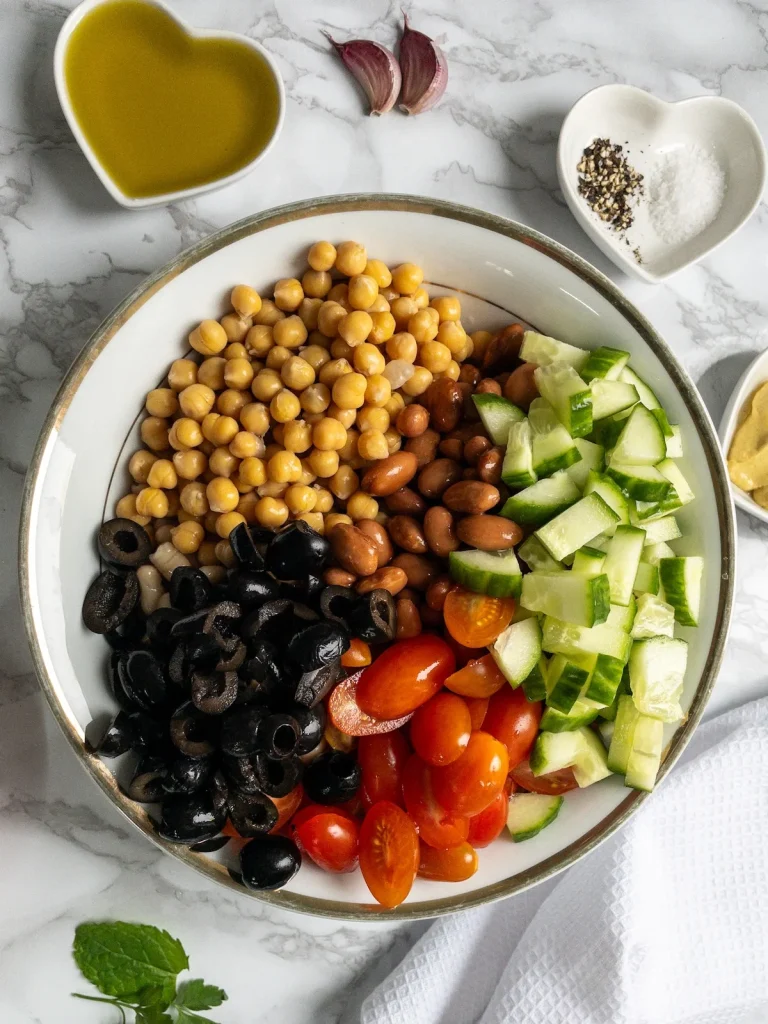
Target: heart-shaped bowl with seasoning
{"points": [[684, 178]]}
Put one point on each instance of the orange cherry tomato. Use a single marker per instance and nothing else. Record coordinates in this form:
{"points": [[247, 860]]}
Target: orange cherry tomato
{"points": [[406, 675], [389, 852], [440, 729], [479, 678], [454, 865], [475, 620], [357, 655], [329, 839], [437, 827], [469, 784], [287, 806], [463, 654], [551, 784], [489, 824], [349, 719], [382, 758], [514, 720], [478, 706]]}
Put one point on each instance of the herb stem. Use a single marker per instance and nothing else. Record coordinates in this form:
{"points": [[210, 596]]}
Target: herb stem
{"points": [[101, 999]]}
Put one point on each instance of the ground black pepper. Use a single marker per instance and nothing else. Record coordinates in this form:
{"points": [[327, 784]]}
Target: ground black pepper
{"points": [[608, 182]]}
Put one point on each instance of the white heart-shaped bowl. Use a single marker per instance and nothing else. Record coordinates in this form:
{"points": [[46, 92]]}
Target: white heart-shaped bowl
{"points": [[129, 202], [502, 271], [755, 375], [648, 127]]}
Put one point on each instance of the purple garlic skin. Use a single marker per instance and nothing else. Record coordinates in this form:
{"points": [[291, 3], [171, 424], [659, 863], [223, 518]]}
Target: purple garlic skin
{"points": [[424, 70], [375, 69]]}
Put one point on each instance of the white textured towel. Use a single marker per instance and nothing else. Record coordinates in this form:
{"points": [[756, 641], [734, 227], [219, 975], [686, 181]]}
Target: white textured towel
{"points": [[665, 923]]}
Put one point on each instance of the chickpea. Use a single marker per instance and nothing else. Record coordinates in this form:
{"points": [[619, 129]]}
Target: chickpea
{"points": [[151, 501], [254, 417], [402, 346], [268, 315], [184, 434], [328, 435], [284, 406], [297, 373], [182, 373], [379, 305], [299, 498], [196, 401], [431, 311], [378, 390], [333, 371], [316, 398], [259, 340], [372, 445], [329, 316], [211, 518], [313, 519], [245, 300], [140, 465], [323, 499], [290, 332], [222, 495], [211, 372], [380, 273], [270, 450], [126, 509], [368, 359], [162, 474], [383, 327], [218, 429], [372, 417], [266, 384], [316, 283], [297, 436], [355, 327], [422, 327], [362, 506], [419, 382], [389, 292], [238, 373], [307, 476], [340, 349], [421, 298], [323, 462], [288, 294], [284, 468], [216, 573], [322, 256], [271, 512], [234, 327], [351, 258], [402, 310], [466, 350], [349, 391], [154, 433], [481, 340], [272, 489], [209, 338], [340, 293], [190, 464], [346, 417], [277, 356], [434, 356], [334, 519], [222, 462], [161, 402], [252, 471], [225, 524], [187, 537], [362, 291], [448, 307], [395, 405], [452, 335], [344, 482], [247, 506], [231, 402], [394, 441], [316, 357], [206, 553], [407, 278], [308, 312], [453, 371], [349, 451], [246, 445]]}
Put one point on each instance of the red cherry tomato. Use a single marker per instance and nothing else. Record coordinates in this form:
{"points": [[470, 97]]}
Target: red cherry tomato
{"points": [[475, 620], [440, 729], [551, 784], [478, 707], [312, 810], [489, 824], [389, 853], [514, 720], [406, 675], [330, 840], [479, 678], [454, 865], [463, 654], [469, 784], [347, 716], [382, 759], [437, 827]]}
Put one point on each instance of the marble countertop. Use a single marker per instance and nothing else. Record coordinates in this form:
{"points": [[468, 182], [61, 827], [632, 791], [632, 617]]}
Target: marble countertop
{"points": [[68, 255]]}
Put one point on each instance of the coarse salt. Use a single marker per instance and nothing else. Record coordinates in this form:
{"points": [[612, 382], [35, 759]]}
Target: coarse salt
{"points": [[686, 189]]}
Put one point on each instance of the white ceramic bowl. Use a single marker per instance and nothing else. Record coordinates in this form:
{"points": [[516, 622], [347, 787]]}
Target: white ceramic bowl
{"points": [[648, 127], [109, 184], [755, 375], [503, 271]]}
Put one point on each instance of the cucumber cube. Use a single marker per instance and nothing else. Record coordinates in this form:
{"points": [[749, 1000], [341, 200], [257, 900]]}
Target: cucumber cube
{"points": [[681, 579], [641, 442], [592, 460], [604, 682], [656, 673], [605, 363], [622, 560], [654, 618], [646, 483], [572, 529], [560, 637], [552, 446], [567, 596], [517, 650], [645, 395], [497, 415], [580, 750], [543, 350], [566, 678], [588, 561], [610, 397], [568, 395], [555, 721], [517, 468], [536, 556], [646, 579], [535, 683], [542, 500], [529, 813]]}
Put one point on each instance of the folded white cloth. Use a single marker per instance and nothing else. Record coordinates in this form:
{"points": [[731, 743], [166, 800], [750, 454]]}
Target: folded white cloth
{"points": [[665, 923]]}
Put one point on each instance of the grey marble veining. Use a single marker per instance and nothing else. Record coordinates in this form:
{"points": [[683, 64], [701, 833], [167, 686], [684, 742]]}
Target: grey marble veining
{"points": [[68, 255]]}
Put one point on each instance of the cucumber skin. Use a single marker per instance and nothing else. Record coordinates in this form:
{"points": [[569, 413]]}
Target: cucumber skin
{"points": [[549, 466], [555, 721], [641, 490], [532, 516], [535, 684], [529, 833], [669, 570], [567, 688], [482, 581], [605, 680]]}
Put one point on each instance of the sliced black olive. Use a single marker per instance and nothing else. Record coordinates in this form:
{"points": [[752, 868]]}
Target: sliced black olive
{"points": [[311, 722], [222, 624], [113, 738], [232, 662], [129, 634], [319, 644], [144, 680], [190, 589], [277, 621], [263, 670], [244, 548], [190, 624], [110, 600], [338, 603], [277, 777], [373, 619], [214, 692], [195, 653], [115, 672], [279, 735], [269, 862], [296, 552], [313, 686], [252, 814], [146, 786], [192, 732], [219, 789], [191, 818], [151, 735], [241, 773], [308, 589], [123, 542], [240, 730], [251, 588], [332, 778], [210, 845], [158, 627], [187, 774]]}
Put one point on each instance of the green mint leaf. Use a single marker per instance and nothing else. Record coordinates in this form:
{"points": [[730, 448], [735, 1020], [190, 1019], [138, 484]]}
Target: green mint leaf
{"points": [[121, 959], [153, 1015], [187, 1017], [160, 996], [196, 995]]}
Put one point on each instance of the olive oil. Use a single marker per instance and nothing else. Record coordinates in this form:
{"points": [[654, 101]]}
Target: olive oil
{"points": [[162, 111]]}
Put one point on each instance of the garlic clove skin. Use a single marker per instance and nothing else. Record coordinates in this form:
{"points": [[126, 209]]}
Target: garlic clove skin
{"points": [[424, 70], [375, 69]]}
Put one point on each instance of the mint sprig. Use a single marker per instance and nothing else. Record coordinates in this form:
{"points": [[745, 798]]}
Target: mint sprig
{"points": [[136, 967]]}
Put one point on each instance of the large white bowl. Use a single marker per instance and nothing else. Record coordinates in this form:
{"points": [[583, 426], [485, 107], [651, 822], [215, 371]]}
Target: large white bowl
{"points": [[503, 271]]}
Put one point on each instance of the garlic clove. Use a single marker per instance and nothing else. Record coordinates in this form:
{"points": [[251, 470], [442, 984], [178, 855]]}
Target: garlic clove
{"points": [[375, 69], [424, 70]]}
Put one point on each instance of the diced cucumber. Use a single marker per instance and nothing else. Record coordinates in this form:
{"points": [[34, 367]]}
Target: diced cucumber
{"points": [[496, 573], [611, 494], [658, 530], [646, 396], [610, 397], [645, 758], [566, 678], [552, 446], [675, 443], [654, 618], [560, 637], [622, 616], [521, 613], [542, 500], [497, 415], [609, 713], [622, 561], [517, 650], [555, 721], [653, 553], [671, 471], [588, 561], [641, 442], [543, 350], [580, 750], [567, 596], [576, 526], [592, 459], [604, 682], [646, 579], [607, 430], [656, 674], [535, 683], [529, 813], [605, 363], [663, 421], [517, 468], [627, 717], [568, 395], [606, 732], [681, 579], [536, 556], [645, 483]]}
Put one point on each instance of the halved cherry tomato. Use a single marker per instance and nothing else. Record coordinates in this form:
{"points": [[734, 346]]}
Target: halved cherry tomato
{"points": [[406, 675], [330, 840], [312, 810], [440, 729], [348, 718], [475, 620], [389, 853], [469, 784], [454, 865], [382, 759], [514, 720], [357, 655], [478, 708], [479, 678], [551, 784], [437, 827], [463, 654], [489, 824]]}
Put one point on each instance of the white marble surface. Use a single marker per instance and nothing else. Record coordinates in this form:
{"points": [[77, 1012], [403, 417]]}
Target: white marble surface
{"points": [[68, 254]]}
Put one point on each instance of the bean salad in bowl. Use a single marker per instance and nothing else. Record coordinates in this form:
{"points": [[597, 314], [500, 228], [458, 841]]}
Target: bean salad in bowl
{"points": [[323, 644]]}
